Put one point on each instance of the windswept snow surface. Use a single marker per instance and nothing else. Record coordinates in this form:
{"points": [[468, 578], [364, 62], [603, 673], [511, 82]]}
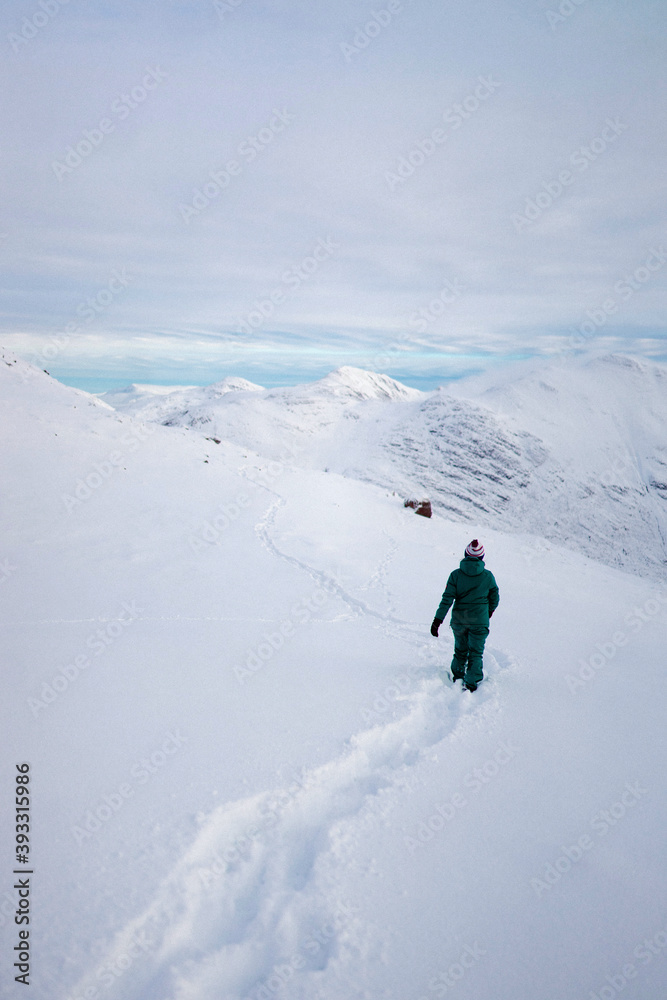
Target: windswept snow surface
{"points": [[251, 776]]}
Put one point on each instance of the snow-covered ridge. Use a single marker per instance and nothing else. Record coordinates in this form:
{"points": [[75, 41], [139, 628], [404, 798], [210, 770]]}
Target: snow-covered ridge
{"points": [[353, 384], [572, 450], [346, 382], [160, 402]]}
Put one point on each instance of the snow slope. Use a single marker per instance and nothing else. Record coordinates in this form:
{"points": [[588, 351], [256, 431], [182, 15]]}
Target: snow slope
{"points": [[262, 783]]}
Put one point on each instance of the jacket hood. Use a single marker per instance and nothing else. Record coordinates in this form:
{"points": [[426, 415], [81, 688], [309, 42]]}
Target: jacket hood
{"points": [[471, 567]]}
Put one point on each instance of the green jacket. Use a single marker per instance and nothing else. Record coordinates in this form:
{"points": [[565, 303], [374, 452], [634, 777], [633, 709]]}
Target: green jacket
{"points": [[473, 591]]}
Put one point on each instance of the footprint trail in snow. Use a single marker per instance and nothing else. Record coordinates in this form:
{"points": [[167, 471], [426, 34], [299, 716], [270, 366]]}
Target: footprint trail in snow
{"points": [[259, 884], [259, 879]]}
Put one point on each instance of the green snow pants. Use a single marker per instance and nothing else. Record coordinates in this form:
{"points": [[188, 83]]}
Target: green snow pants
{"points": [[468, 648]]}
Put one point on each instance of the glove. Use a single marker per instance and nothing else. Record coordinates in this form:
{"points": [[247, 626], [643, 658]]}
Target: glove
{"points": [[437, 622]]}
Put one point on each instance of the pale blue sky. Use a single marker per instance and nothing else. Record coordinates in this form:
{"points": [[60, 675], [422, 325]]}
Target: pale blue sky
{"points": [[371, 194]]}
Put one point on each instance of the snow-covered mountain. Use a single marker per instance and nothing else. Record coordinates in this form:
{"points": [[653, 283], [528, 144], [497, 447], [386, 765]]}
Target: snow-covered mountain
{"points": [[251, 777], [157, 402], [573, 451]]}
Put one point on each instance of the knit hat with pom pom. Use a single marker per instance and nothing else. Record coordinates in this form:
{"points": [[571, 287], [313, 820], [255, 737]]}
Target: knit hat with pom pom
{"points": [[475, 549]]}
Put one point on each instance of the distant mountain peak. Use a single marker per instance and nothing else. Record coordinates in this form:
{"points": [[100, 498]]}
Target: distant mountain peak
{"points": [[234, 383], [358, 383]]}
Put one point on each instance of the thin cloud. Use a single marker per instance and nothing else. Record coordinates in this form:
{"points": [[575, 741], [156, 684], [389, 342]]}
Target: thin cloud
{"points": [[223, 80]]}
